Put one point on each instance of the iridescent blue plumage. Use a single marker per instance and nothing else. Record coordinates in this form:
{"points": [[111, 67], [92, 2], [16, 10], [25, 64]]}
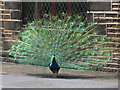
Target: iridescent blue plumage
{"points": [[54, 67]]}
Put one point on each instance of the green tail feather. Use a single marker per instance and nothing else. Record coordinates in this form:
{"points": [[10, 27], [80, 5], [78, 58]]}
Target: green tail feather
{"points": [[72, 40]]}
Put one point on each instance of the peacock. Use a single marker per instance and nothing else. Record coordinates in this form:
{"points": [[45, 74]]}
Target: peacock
{"points": [[62, 41]]}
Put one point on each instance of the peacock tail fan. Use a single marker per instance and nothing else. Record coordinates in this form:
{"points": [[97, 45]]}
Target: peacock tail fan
{"points": [[75, 43]]}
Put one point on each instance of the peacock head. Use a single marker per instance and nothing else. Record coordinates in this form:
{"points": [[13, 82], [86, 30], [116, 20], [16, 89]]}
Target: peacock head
{"points": [[54, 58]]}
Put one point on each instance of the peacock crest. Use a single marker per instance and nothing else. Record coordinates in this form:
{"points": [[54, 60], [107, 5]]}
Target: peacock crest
{"points": [[75, 43]]}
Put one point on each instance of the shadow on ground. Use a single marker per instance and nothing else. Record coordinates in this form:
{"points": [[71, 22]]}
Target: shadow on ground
{"points": [[44, 72], [64, 76]]}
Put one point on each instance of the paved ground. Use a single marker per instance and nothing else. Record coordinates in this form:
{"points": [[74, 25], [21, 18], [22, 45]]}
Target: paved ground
{"points": [[21, 76], [32, 82]]}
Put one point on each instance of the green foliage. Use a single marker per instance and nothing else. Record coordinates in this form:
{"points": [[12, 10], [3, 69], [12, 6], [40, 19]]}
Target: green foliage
{"points": [[72, 40]]}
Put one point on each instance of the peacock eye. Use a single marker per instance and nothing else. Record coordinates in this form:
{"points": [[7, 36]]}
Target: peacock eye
{"points": [[87, 36], [47, 31], [95, 40], [94, 33], [81, 41], [53, 18], [53, 25], [32, 24], [100, 53], [27, 32], [81, 53], [69, 41], [65, 25], [93, 53], [58, 28], [108, 54], [48, 23], [82, 30], [59, 21], [51, 50], [95, 48], [38, 40], [24, 38], [102, 39], [81, 24], [61, 38], [39, 22], [63, 32], [72, 35]]}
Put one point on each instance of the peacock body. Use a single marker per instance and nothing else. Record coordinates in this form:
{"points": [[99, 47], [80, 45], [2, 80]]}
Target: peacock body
{"points": [[54, 67], [62, 42]]}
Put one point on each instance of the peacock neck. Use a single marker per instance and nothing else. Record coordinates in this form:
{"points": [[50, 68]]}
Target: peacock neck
{"points": [[53, 63], [53, 60]]}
